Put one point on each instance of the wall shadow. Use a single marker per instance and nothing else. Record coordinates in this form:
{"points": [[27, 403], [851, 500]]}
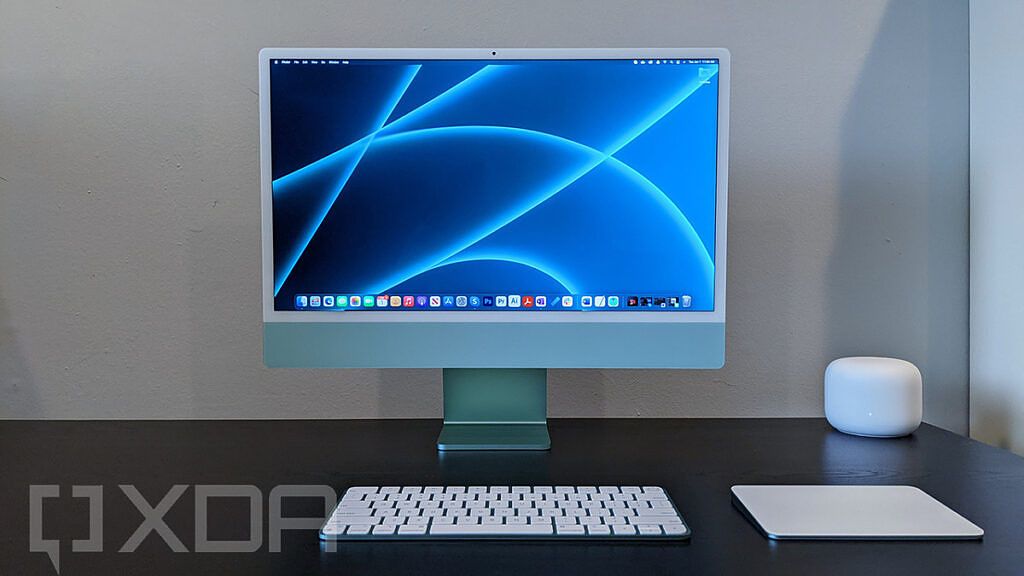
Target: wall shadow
{"points": [[18, 395], [898, 271]]}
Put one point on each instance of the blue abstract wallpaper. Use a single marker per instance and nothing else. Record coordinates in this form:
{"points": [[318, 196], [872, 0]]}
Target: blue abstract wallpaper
{"points": [[491, 178]]}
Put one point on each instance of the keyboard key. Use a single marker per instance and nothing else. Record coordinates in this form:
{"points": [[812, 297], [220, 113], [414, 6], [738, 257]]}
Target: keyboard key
{"points": [[358, 529], [492, 530], [357, 519], [625, 530], [649, 529], [362, 490], [571, 529], [412, 530], [384, 529], [650, 519], [600, 530], [674, 529]]}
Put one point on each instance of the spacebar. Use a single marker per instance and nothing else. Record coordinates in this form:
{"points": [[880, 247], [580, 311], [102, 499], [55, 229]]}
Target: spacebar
{"points": [[490, 529]]}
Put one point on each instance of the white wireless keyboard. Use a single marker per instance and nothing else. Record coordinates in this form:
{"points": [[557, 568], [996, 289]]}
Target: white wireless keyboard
{"points": [[505, 512]]}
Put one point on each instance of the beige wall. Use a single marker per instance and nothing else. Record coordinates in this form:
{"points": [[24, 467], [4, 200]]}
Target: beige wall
{"points": [[997, 223], [129, 201]]}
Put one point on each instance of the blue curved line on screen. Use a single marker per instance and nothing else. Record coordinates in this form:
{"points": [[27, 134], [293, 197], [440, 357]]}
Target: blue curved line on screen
{"points": [[543, 269], [458, 87], [471, 80], [657, 193], [598, 158], [658, 114], [294, 258], [686, 227]]}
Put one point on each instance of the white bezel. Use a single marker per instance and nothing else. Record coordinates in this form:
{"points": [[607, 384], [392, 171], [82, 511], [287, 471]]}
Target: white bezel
{"points": [[456, 316]]}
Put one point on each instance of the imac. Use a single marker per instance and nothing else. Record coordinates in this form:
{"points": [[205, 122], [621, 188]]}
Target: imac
{"points": [[494, 212]]}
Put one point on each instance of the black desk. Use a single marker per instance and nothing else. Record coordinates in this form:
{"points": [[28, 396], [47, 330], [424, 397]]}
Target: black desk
{"points": [[695, 460]]}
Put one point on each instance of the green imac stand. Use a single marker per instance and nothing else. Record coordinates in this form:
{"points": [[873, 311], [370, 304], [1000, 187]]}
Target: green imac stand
{"points": [[495, 409]]}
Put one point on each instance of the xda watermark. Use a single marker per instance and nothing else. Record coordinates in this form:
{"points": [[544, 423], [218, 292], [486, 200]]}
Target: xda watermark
{"points": [[153, 517]]}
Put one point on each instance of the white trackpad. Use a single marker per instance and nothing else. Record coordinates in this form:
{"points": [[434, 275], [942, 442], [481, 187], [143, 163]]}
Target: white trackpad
{"points": [[851, 513]]}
